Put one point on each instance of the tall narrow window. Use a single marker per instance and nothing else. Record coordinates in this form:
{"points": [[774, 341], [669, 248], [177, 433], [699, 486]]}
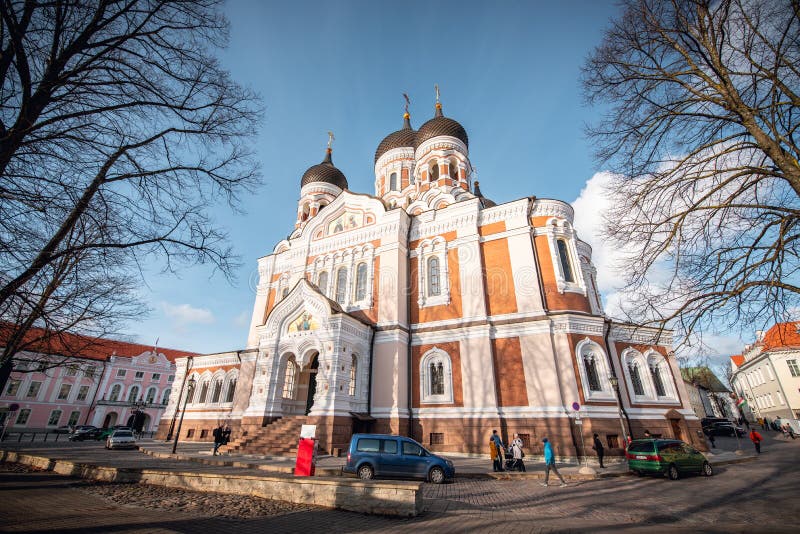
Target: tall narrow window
{"points": [[636, 379], [453, 170], [203, 392], [115, 391], [341, 285], [288, 382], [563, 256], [793, 368], [361, 282], [437, 378], [231, 391], [393, 182], [165, 396], [285, 292], [434, 166], [55, 415], [133, 394], [657, 382], [322, 282], [217, 391], [353, 374], [434, 287], [592, 377], [151, 396]]}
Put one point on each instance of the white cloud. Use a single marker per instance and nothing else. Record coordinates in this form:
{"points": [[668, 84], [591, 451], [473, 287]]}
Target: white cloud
{"points": [[186, 314], [242, 320]]}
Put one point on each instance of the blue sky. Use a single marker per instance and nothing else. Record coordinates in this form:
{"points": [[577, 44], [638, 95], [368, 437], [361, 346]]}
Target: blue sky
{"points": [[508, 71]]}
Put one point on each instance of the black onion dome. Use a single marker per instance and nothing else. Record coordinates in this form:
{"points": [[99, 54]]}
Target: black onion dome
{"points": [[441, 125], [405, 137], [324, 172]]}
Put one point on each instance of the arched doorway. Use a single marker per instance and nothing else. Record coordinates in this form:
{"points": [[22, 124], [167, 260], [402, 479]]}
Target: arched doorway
{"points": [[110, 420], [312, 382]]}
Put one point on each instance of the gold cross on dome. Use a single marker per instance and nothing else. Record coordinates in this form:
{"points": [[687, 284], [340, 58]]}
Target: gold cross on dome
{"points": [[331, 139], [408, 101], [436, 88]]}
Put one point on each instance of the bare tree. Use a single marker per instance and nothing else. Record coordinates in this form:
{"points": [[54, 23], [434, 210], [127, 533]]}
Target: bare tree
{"points": [[118, 130], [701, 128]]}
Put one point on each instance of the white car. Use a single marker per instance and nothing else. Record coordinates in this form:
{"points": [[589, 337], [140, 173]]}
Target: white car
{"points": [[121, 439]]}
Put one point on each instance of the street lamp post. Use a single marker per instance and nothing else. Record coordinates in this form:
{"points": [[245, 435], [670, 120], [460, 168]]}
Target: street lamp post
{"points": [[615, 384], [189, 391]]}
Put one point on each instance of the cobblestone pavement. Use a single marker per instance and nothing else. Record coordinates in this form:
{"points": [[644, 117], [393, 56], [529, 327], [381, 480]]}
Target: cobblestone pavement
{"points": [[756, 496]]}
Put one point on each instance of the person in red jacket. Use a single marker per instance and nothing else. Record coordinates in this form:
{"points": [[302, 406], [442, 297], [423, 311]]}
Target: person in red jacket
{"points": [[756, 438]]}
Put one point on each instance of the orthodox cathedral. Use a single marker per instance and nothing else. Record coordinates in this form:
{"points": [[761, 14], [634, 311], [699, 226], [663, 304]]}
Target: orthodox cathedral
{"points": [[428, 310]]}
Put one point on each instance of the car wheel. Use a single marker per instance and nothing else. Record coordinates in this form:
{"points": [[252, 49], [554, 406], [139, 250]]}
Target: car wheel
{"points": [[707, 470], [436, 475], [365, 472], [639, 473], [672, 473]]}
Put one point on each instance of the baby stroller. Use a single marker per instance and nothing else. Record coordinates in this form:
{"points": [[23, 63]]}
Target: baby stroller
{"points": [[510, 463]]}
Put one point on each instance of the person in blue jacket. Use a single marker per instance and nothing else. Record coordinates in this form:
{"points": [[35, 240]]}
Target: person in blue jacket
{"points": [[498, 443], [550, 463]]}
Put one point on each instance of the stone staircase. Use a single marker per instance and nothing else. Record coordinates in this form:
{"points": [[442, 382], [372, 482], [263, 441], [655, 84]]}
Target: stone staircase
{"points": [[278, 438]]}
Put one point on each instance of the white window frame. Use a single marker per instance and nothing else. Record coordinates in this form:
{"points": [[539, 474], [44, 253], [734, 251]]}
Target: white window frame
{"points": [[79, 397], [58, 419], [606, 392], [111, 392], [435, 355], [230, 378], [349, 259], [352, 389], [428, 248], [629, 356], [665, 372], [147, 395], [556, 229], [286, 388], [61, 395]]}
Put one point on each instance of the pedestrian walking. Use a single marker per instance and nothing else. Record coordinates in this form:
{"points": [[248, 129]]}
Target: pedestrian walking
{"points": [[498, 444], [756, 438], [496, 465], [226, 435], [599, 449], [517, 452], [550, 463], [711, 439], [218, 432]]}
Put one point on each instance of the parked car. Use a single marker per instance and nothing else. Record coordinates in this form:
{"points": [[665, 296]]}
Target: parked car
{"points": [[121, 439], [104, 433], [709, 421], [64, 429], [726, 429], [380, 455], [84, 432], [666, 456]]}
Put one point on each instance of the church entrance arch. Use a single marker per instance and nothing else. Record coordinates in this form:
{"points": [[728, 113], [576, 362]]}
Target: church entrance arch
{"points": [[312, 382]]}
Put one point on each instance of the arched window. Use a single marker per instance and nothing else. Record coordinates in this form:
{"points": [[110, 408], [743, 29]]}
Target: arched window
{"points": [[353, 374], [288, 382], [592, 376], [437, 378], [361, 281], [453, 170], [150, 397], [203, 392], [563, 255], [322, 282], [217, 390], [341, 285], [165, 396], [115, 391], [658, 382], [434, 288], [393, 182], [636, 379], [231, 390], [434, 167], [436, 384], [133, 394]]}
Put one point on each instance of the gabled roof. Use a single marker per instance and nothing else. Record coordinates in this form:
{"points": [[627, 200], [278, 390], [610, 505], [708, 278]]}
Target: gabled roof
{"points": [[704, 377], [737, 360], [782, 336], [79, 346]]}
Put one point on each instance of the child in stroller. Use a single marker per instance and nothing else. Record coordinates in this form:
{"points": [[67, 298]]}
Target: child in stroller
{"points": [[510, 463]]}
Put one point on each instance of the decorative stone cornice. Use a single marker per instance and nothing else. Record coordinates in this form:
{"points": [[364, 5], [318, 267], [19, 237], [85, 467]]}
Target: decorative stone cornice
{"points": [[544, 207]]}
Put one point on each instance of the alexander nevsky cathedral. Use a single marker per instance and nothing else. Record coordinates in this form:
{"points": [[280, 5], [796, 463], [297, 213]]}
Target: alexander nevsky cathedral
{"points": [[426, 309]]}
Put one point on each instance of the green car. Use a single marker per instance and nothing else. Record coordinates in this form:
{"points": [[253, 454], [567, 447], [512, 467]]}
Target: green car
{"points": [[666, 456]]}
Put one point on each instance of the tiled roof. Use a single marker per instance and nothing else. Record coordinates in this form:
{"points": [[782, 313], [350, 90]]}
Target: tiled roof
{"points": [[738, 360], [80, 346], [782, 336]]}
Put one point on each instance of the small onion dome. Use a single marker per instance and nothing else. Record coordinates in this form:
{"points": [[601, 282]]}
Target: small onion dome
{"points": [[485, 202], [405, 137], [441, 125], [325, 172]]}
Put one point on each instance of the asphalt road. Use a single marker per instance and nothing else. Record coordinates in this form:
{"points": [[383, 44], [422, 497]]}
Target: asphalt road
{"points": [[757, 496]]}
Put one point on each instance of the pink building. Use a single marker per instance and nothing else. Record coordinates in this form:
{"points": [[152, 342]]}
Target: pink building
{"points": [[101, 383]]}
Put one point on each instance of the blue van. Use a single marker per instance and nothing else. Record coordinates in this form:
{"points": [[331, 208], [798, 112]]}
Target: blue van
{"points": [[372, 455]]}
